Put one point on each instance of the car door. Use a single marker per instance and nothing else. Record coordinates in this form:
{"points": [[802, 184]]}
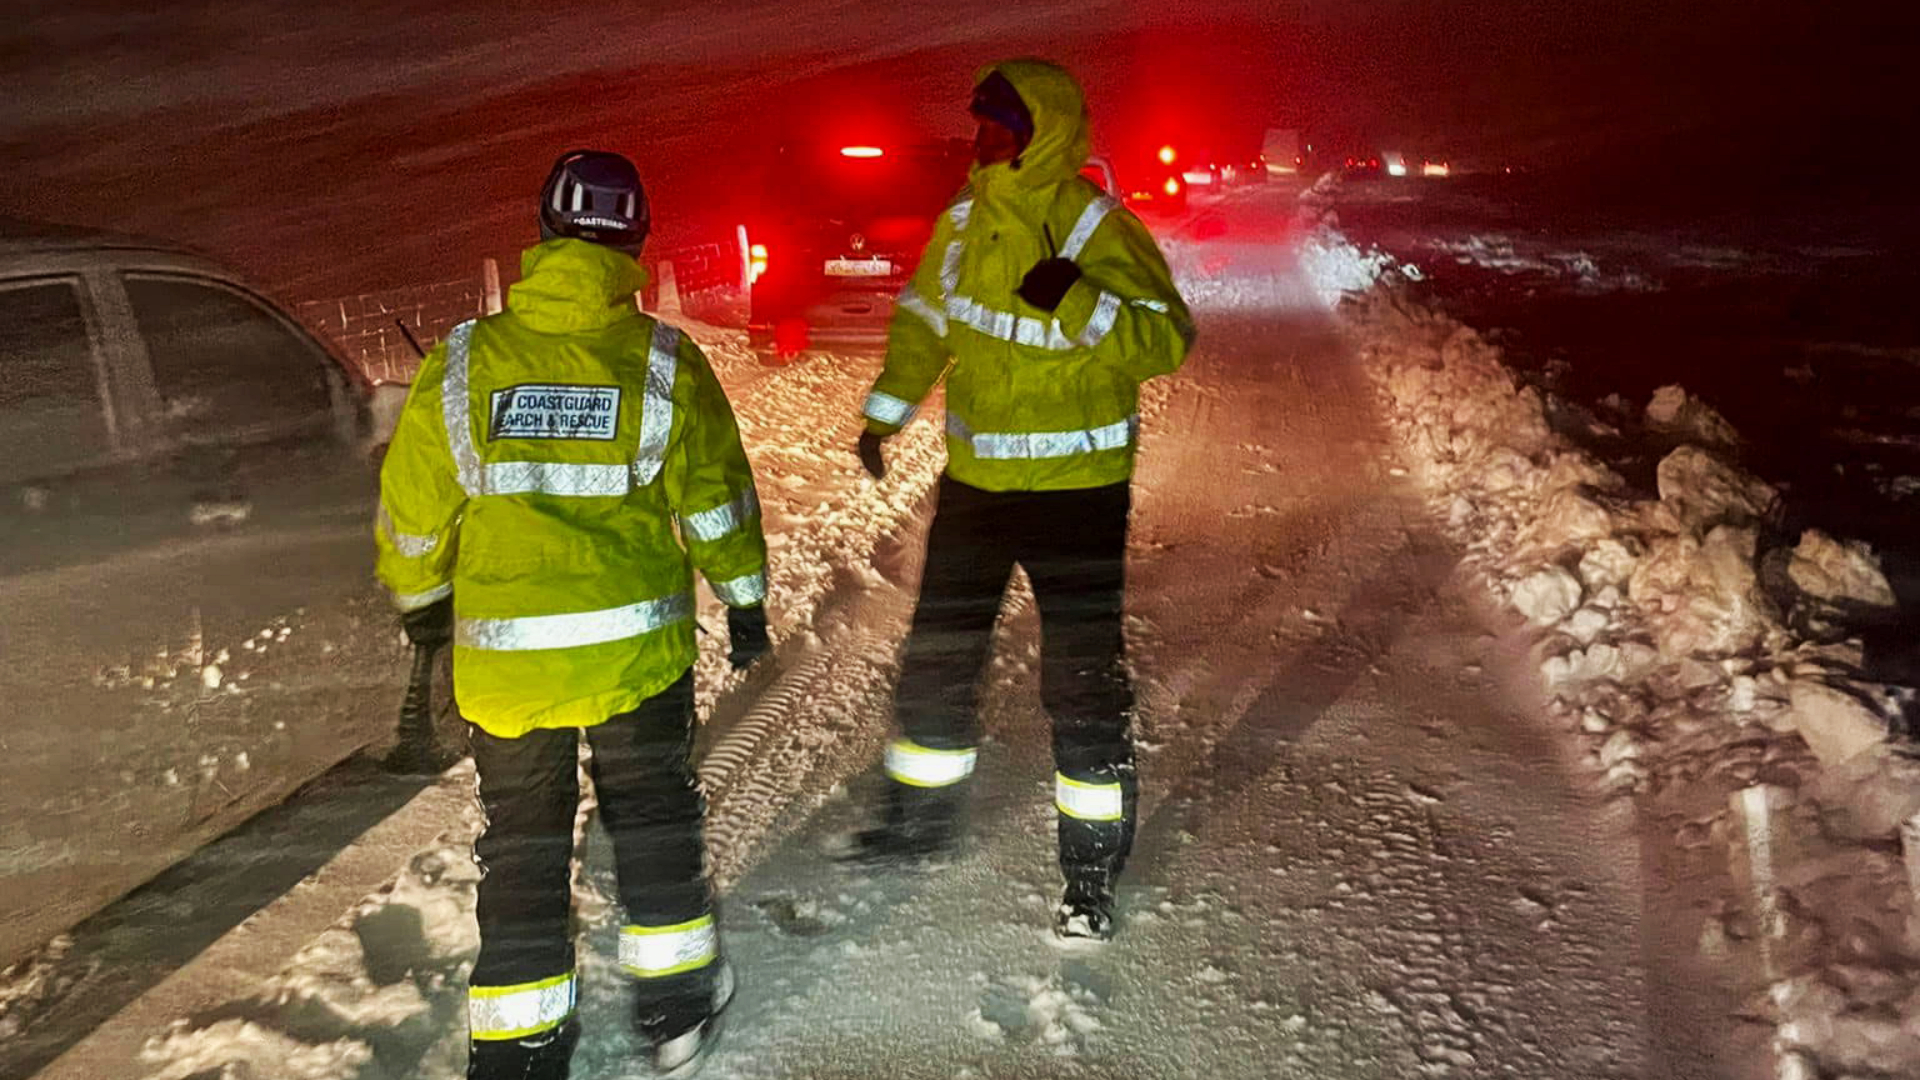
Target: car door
{"points": [[87, 623], [260, 450], [191, 630]]}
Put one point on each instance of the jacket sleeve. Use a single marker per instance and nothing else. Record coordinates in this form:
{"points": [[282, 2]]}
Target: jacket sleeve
{"points": [[1125, 306], [421, 499], [917, 351], [710, 486]]}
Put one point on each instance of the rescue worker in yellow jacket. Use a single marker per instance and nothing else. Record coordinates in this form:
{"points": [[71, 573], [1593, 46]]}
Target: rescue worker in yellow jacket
{"points": [[558, 473], [1044, 304]]}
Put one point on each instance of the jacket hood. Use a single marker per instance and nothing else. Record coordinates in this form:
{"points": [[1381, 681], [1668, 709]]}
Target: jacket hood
{"points": [[568, 285], [1062, 131]]}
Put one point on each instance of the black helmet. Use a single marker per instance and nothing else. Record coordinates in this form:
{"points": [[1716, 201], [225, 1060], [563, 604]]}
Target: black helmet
{"points": [[595, 195]]}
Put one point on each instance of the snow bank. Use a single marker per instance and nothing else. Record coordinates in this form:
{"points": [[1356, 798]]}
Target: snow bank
{"points": [[1696, 649]]}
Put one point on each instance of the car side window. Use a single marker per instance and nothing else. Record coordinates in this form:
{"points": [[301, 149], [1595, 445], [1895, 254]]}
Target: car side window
{"points": [[224, 363], [52, 413]]}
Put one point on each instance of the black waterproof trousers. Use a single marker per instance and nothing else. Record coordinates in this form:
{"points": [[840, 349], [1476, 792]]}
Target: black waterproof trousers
{"points": [[1072, 545], [650, 802]]}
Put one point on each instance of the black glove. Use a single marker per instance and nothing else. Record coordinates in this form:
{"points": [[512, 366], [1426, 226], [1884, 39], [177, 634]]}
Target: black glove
{"points": [[870, 455], [1047, 283], [747, 629], [429, 627]]}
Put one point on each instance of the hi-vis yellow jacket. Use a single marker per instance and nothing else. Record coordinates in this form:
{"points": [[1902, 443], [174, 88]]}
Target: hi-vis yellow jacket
{"points": [[539, 469], [1036, 400]]}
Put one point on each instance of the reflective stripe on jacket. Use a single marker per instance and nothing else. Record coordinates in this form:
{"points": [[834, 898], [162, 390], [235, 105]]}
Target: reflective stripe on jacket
{"points": [[562, 468], [1036, 400]]}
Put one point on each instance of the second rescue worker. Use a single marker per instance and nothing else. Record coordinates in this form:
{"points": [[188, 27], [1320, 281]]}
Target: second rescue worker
{"points": [[1053, 305]]}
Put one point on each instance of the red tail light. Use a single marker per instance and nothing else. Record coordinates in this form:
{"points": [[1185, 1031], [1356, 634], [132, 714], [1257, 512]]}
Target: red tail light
{"points": [[1166, 155], [1172, 186], [860, 151], [756, 262]]}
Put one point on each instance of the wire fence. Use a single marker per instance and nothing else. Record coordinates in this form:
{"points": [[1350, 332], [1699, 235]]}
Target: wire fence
{"points": [[367, 330]]}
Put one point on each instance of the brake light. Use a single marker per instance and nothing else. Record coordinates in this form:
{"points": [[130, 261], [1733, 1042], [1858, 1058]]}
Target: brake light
{"points": [[860, 151], [756, 262], [1166, 155], [1172, 186]]}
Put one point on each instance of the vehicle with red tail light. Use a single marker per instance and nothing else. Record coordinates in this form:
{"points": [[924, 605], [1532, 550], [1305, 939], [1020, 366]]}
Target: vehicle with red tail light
{"points": [[837, 230]]}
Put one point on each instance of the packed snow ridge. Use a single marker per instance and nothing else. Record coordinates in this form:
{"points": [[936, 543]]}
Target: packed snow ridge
{"points": [[1708, 661]]}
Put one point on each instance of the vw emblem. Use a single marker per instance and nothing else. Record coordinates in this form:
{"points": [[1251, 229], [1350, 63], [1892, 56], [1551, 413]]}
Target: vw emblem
{"points": [[857, 242]]}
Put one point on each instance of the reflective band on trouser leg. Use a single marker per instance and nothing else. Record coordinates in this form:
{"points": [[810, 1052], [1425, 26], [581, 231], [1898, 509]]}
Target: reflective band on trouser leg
{"points": [[921, 766], [515, 1012], [654, 952], [1088, 802]]}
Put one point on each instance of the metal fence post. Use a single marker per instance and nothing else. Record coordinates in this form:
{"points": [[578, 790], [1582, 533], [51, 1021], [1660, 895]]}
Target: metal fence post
{"points": [[490, 286], [666, 290]]}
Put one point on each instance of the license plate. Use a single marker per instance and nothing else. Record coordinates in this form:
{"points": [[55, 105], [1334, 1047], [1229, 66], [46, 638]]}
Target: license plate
{"points": [[859, 267]]}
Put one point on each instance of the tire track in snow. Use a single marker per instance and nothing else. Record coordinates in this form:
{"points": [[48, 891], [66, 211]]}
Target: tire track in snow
{"points": [[817, 722], [840, 546]]}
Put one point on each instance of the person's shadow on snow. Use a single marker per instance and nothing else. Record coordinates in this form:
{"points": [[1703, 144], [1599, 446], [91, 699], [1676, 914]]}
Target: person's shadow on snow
{"points": [[1305, 684]]}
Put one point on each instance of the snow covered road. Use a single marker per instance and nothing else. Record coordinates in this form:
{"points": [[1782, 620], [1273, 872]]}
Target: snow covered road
{"points": [[1361, 856]]}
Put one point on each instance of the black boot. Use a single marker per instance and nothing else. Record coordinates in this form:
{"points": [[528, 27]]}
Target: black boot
{"points": [[914, 825], [1086, 911], [681, 1028], [546, 1056]]}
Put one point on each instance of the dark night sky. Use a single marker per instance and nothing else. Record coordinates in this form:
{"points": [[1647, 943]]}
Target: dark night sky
{"points": [[191, 119], [1526, 67]]}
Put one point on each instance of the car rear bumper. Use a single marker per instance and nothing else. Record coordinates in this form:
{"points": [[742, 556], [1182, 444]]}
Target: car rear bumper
{"points": [[823, 337], [847, 317]]}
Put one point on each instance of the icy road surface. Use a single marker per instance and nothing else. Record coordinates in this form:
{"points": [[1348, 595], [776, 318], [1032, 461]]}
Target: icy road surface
{"points": [[1361, 856]]}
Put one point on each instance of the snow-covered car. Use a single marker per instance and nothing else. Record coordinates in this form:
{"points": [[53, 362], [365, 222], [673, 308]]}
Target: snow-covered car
{"points": [[187, 616]]}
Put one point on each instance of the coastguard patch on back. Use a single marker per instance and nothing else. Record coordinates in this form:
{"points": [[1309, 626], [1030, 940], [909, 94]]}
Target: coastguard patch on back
{"points": [[551, 411]]}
